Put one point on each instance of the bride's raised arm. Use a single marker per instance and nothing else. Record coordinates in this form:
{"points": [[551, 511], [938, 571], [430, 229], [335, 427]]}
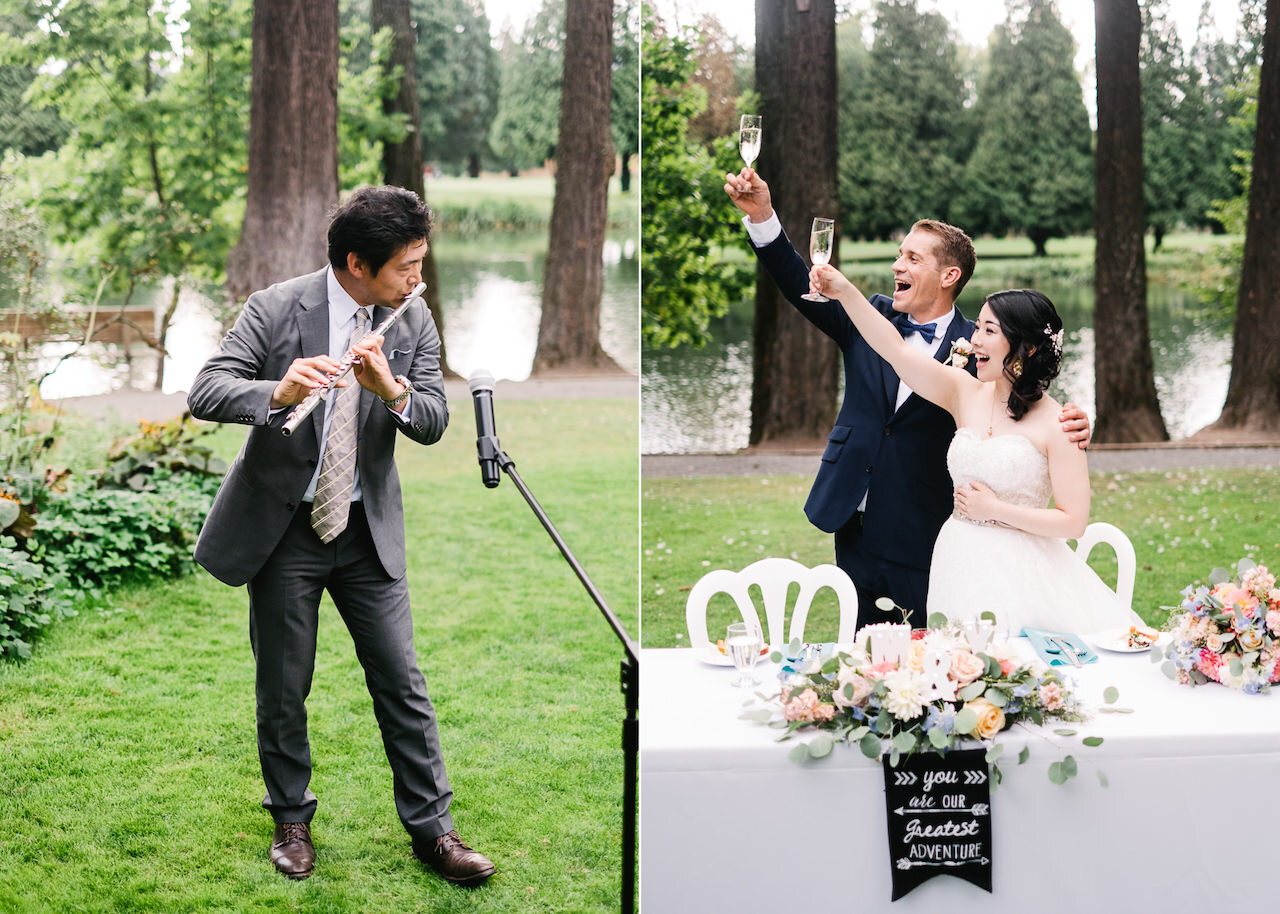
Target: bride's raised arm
{"points": [[929, 378]]}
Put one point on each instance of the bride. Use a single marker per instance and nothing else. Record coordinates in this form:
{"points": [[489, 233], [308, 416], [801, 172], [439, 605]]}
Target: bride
{"points": [[1003, 548]]}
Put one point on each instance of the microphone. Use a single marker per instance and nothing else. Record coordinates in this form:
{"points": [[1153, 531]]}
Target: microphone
{"points": [[481, 384]]}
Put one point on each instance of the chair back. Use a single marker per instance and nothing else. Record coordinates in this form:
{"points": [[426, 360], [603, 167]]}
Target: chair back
{"points": [[1125, 557], [773, 576]]}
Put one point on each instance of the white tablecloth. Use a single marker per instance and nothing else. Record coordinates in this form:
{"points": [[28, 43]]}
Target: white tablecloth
{"points": [[1188, 822]]}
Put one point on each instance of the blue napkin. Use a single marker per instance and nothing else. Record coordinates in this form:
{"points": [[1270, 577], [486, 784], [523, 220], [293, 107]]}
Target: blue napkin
{"points": [[1050, 654], [794, 664]]}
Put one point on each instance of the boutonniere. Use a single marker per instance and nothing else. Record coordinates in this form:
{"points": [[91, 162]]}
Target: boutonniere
{"points": [[961, 349]]}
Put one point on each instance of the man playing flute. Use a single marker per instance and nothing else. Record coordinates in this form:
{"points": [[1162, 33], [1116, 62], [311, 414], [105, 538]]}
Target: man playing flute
{"points": [[321, 509]]}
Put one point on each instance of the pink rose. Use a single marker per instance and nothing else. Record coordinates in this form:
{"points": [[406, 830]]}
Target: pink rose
{"points": [[1052, 697], [1210, 663], [1273, 621], [800, 707], [966, 666], [1214, 642]]}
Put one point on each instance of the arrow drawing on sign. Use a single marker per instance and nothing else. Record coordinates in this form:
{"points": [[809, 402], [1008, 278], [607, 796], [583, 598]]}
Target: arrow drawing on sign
{"points": [[977, 809], [905, 864], [904, 777], [975, 777]]}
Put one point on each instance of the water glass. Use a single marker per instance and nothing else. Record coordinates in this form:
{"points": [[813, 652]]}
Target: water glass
{"points": [[743, 642]]}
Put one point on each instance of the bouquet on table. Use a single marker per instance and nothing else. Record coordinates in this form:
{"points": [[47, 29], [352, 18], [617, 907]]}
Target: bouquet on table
{"points": [[911, 691], [1229, 631]]}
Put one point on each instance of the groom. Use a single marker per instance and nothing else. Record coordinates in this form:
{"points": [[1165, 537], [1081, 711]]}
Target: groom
{"points": [[883, 488]]}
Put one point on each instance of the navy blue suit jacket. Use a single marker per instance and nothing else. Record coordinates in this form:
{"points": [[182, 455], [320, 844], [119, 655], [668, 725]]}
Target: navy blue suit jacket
{"points": [[901, 455]]}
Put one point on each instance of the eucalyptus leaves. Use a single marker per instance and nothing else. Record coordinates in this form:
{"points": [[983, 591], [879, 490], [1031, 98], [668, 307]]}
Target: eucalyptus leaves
{"points": [[948, 685]]}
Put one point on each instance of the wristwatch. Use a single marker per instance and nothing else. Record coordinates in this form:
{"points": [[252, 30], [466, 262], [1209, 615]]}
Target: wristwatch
{"points": [[403, 395]]}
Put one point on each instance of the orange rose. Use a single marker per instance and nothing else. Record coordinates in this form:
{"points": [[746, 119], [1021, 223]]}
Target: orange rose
{"points": [[990, 718]]}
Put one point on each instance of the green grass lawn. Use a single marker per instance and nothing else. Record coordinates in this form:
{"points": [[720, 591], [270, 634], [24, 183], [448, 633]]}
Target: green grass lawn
{"points": [[1182, 524], [127, 752]]}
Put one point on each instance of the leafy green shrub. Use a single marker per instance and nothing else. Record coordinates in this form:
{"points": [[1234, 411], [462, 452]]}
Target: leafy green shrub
{"points": [[108, 538], [488, 215], [160, 447], [30, 600]]}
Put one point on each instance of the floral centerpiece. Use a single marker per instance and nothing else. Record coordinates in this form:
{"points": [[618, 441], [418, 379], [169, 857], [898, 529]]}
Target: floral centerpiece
{"points": [[1228, 631], [946, 686]]}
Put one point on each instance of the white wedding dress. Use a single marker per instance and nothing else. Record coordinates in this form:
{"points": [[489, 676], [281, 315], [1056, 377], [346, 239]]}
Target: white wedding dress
{"points": [[1026, 580]]}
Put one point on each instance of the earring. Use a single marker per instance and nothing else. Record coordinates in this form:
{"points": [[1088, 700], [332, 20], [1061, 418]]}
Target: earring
{"points": [[1015, 368]]}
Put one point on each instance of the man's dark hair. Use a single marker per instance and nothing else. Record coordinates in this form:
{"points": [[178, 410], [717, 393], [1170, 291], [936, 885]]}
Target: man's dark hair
{"points": [[376, 222], [954, 249]]}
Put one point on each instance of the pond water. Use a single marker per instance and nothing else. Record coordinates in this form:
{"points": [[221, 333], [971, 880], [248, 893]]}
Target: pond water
{"points": [[490, 291], [699, 401]]}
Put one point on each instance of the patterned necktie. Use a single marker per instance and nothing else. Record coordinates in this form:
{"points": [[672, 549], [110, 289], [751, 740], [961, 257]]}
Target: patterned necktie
{"points": [[907, 326], [338, 465]]}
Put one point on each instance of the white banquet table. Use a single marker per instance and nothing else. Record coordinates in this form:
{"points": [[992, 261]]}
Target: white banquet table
{"points": [[1187, 822]]}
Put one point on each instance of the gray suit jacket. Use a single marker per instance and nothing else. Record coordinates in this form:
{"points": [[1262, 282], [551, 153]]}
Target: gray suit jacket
{"points": [[268, 478]]}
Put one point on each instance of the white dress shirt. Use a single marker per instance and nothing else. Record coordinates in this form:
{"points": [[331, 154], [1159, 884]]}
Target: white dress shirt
{"points": [[342, 323]]}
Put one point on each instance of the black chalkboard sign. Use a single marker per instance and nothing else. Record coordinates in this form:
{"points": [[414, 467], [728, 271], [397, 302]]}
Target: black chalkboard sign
{"points": [[939, 811]]}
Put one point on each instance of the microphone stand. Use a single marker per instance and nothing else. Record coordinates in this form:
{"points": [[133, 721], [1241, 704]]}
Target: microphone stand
{"points": [[489, 449]]}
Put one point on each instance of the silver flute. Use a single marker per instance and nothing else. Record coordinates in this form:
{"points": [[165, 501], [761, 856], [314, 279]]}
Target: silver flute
{"points": [[345, 364]]}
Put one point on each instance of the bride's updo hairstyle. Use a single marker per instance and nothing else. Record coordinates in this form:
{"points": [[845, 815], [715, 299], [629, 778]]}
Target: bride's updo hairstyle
{"points": [[1031, 324]]}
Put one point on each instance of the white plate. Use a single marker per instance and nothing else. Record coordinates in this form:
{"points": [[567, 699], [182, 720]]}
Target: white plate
{"points": [[1117, 640], [711, 655]]}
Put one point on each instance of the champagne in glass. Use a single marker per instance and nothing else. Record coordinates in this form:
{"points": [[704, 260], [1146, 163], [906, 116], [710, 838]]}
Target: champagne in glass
{"points": [[749, 137], [743, 642], [820, 241]]}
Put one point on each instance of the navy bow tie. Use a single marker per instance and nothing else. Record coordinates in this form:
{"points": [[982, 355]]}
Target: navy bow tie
{"points": [[906, 326]]}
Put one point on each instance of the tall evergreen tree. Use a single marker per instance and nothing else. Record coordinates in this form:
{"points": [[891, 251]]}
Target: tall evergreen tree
{"points": [[1127, 407], [524, 129], [1031, 170], [293, 144], [794, 368], [457, 84], [1167, 85], [569, 330], [1252, 407], [402, 161], [904, 128], [625, 113]]}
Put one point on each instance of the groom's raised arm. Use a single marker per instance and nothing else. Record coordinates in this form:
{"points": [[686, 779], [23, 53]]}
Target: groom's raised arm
{"points": [[769, 241]]}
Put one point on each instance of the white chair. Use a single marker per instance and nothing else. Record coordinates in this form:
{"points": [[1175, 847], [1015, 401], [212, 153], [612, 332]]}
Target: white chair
{"points": [[1127, 561], [773, 576]]}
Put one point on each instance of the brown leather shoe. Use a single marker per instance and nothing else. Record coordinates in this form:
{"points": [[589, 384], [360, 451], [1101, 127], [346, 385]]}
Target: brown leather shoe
{"points": [[292, 851], [453, 860]]}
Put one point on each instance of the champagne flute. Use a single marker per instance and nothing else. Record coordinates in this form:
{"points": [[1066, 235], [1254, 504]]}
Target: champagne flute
{"points": [[743, 641], [749, 131], [820, 241]]}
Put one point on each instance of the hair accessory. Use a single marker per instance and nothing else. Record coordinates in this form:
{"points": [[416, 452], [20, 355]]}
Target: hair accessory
{"points": [[1055, 339]]}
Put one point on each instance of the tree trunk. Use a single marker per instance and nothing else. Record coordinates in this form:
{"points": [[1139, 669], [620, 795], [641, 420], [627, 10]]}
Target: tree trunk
{"points": [[624, 176], [1126, 402], [569, 332], [1252, 409], [795, 377], [293, 144], [473, 165], [402, 162]]}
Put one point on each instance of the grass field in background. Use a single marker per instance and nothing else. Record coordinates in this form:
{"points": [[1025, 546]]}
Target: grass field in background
{"points": [[537, 192], [1182, 524], [131, 779]]}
